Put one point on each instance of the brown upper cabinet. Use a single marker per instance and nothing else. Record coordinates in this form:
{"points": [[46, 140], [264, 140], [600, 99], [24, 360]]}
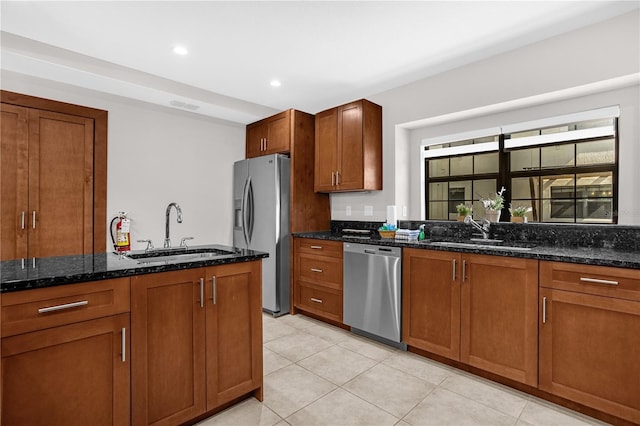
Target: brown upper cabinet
{"points": [[292, 133], [269, 136], [54, 178], [349, 148]]}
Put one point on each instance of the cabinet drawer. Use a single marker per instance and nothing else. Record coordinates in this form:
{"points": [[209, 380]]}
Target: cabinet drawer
{"points": [[326, 271], [322, 302], [598, 280], [31, 310], [319, 247]]}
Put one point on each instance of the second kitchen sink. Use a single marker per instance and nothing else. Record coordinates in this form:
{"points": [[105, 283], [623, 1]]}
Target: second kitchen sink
{"points": [[477, 245]]}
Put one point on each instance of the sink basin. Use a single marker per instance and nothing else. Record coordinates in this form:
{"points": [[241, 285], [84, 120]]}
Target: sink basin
{"points": [[179, 254], [479, 246]]}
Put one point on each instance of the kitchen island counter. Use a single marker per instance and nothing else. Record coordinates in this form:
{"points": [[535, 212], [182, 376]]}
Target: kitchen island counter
{"points": [[16, 275]]}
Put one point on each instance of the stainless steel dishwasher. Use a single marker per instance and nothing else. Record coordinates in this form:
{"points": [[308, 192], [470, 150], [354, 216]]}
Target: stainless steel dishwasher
{"points": [[373, 292]]}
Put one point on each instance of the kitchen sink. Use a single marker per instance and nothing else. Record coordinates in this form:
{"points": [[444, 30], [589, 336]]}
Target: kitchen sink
{"points": [[477, 245], [178, 254]]}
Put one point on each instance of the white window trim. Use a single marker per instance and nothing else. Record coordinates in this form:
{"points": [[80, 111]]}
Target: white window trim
{"points": [[474, 134], [594, 114], [572, 135]]}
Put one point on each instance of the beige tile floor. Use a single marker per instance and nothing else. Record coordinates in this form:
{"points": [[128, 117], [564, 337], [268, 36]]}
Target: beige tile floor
{"points": [[317, 374]]}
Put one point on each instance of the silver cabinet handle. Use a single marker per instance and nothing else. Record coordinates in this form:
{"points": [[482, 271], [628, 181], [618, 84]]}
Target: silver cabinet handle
{"points": [[316, 270], [464, 270], [313, 299], [62, 307], [544, 310], [124, 344], [316, 247], [202, 292], [453, 262], [266, 142], [337, 178], [33, 220], [213, 289], [333, 178], [597, 281], [22, 220]]}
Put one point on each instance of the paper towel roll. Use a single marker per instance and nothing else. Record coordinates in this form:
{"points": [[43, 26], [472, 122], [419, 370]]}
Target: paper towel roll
{"points": [[392, 215]]}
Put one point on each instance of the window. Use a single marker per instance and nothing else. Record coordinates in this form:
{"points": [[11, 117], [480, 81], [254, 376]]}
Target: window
{"points": [[564, 168], [460, 171]]}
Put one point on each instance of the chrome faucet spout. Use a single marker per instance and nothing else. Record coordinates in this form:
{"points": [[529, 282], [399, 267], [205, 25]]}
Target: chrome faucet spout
{"points": [[484, 228], [167, 239]]}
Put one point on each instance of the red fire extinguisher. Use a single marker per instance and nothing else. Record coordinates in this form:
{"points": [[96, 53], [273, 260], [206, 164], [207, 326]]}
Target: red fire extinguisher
{"points": [[122, 240]]}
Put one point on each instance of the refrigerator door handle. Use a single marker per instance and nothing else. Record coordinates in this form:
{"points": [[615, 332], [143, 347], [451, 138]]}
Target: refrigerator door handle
{"points": [[250, 212], [245, 199]]}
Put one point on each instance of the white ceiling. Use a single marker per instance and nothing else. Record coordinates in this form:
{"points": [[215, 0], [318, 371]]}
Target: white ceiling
{"points": [[325, 53]]}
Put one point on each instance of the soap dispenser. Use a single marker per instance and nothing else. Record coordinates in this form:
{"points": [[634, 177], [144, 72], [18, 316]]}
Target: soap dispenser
{"points": [[421, 236]]}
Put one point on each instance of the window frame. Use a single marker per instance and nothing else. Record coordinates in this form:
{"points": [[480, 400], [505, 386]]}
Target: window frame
{"points": [[505, 174]]}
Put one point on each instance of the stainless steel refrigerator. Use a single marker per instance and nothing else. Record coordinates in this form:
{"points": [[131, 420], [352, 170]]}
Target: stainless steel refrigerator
{"points": [[261, 222]]}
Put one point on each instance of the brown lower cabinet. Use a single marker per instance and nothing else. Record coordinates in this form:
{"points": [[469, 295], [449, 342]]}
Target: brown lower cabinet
{"points": [[66, 355], [477, 309], [197, 341], [317, 278], [74, 374], [590, 336]]}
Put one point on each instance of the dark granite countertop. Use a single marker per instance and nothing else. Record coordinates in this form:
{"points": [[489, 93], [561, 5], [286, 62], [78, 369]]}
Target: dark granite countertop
{"points": [[45, 272], [571, 254]]}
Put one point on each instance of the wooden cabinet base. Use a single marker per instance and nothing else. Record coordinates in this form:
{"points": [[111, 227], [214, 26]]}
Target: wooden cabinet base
{"points": [[197, 341], [572, 405], [69, 375], [589, 351]]}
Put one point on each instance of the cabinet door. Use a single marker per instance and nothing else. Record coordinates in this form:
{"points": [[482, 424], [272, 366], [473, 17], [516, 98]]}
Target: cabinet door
{"points": [[326, 150], [13, 182], [589, 351], [256, 134], [278, 134], [499, 316], [431, 301], [350, 155], [168, 348], [234, 332], [70, 375], [60, 184]]}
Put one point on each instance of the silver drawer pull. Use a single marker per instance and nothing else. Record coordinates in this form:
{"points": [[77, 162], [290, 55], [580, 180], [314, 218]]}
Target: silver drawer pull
{"points": [[316, 270], [213, 289], [61, 307], [202, 292], [316, 247], [124, 344], [313, 299], [597, 281]]}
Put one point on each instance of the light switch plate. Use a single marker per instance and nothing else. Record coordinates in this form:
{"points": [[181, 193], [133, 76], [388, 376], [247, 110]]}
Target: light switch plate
{"points": [[368, 210], [348, 211]]}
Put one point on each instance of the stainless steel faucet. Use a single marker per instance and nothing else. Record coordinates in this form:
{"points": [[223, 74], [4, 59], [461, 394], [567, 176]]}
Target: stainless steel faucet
{"points": [[484, 228], [167, 240]]}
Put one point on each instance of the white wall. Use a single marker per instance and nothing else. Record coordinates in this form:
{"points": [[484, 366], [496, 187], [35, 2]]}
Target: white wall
{"points": [[156, 156], [599, 52]]}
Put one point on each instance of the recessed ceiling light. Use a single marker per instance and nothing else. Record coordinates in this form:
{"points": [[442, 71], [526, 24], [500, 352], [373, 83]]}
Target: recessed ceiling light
{"points": [[275, 83], [180, 50]]}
